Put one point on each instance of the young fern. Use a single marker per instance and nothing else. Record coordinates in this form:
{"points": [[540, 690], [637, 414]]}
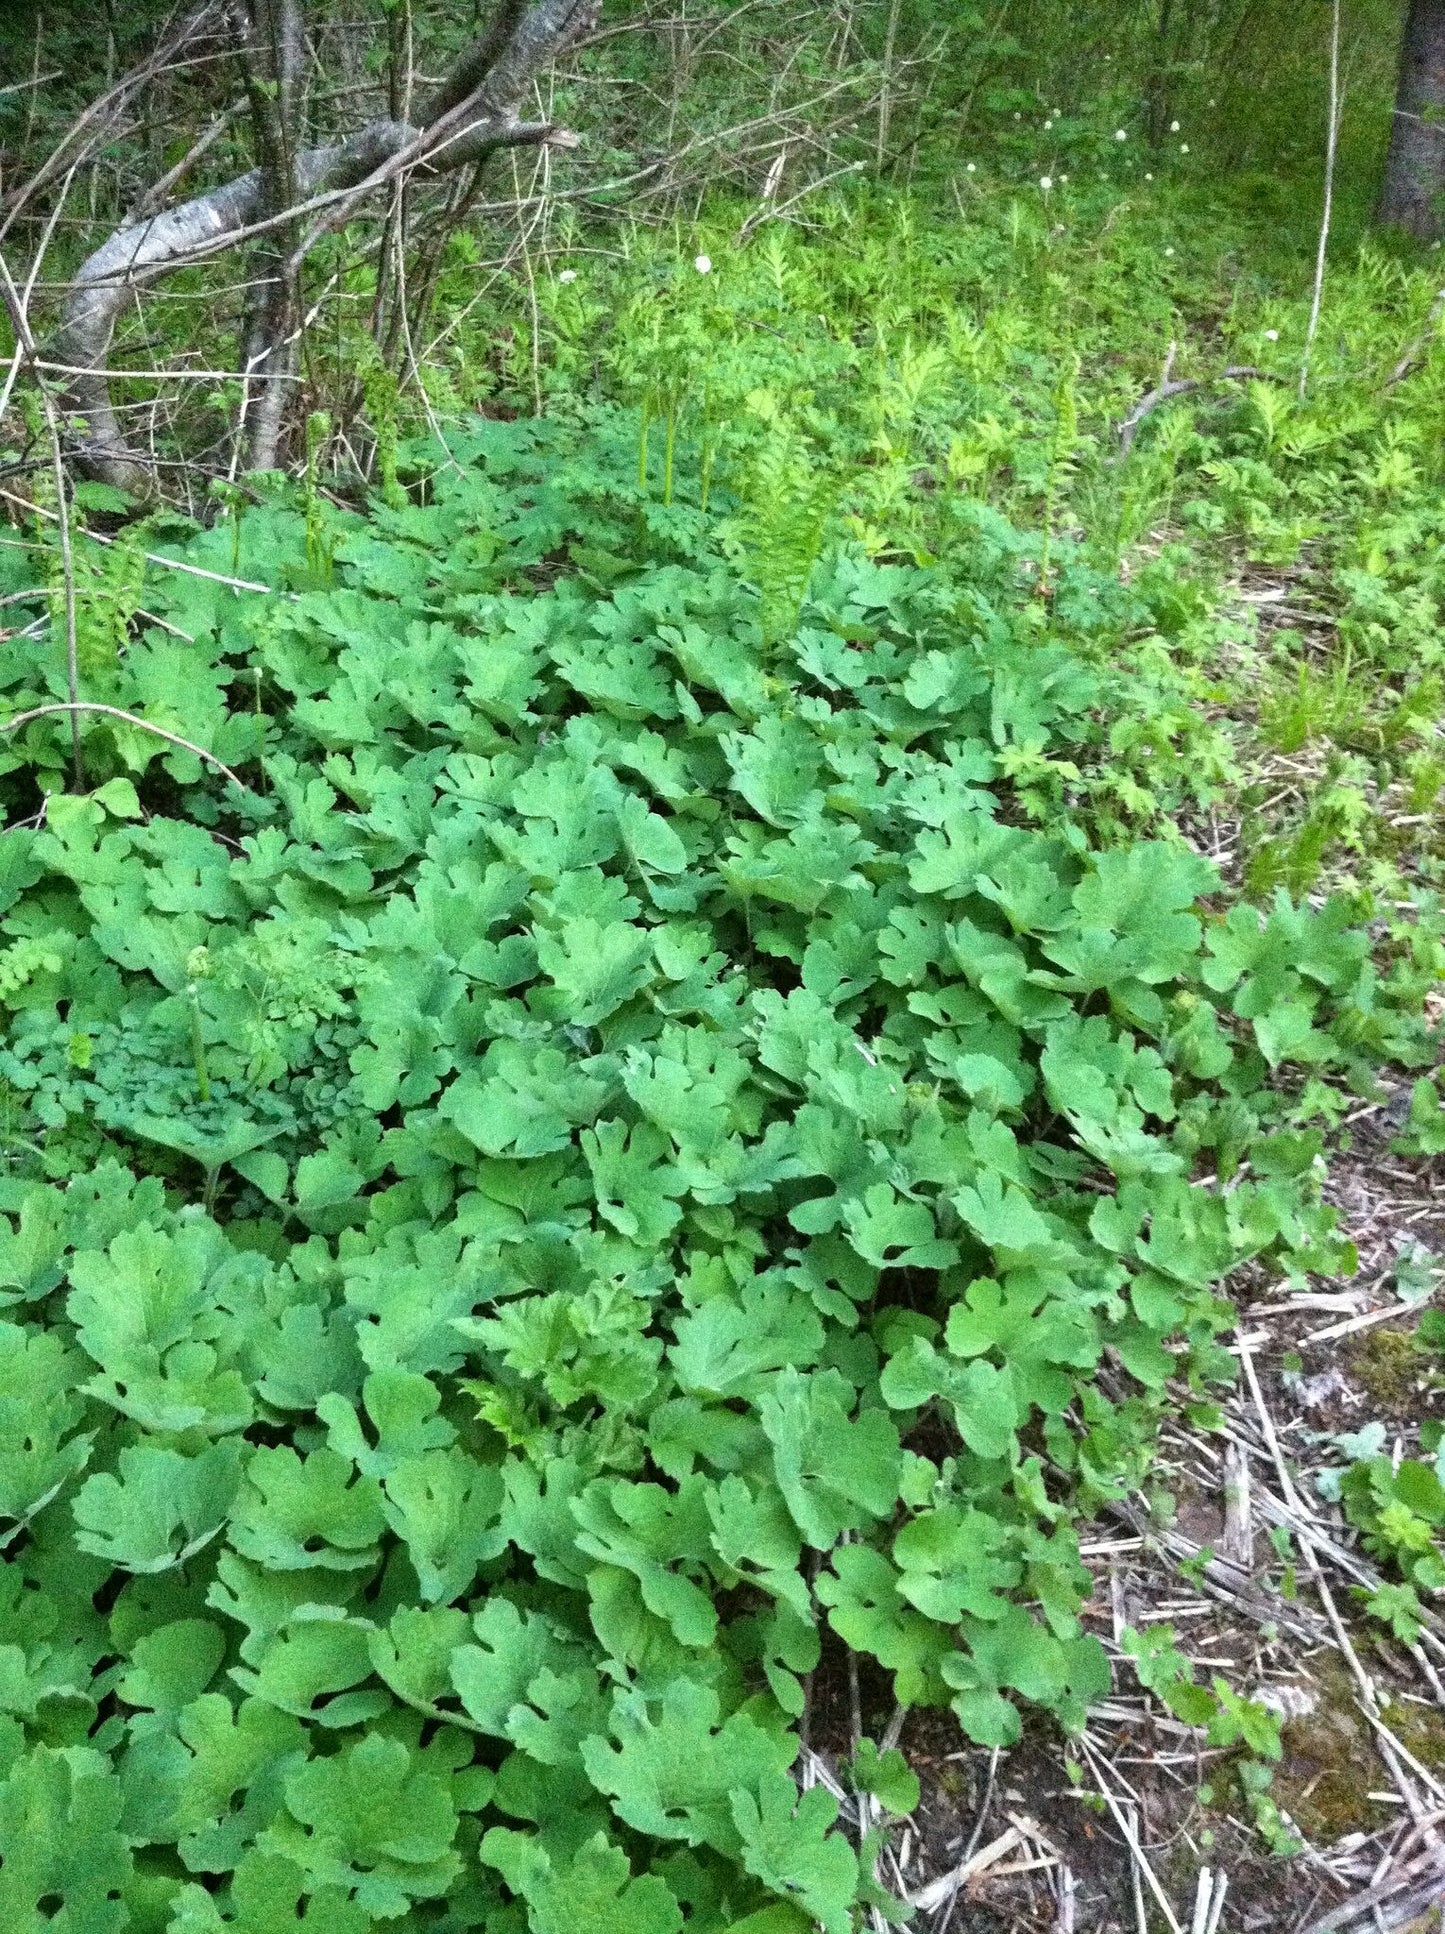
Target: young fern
{"points": [[382, 395], [318, 550], [107, 579], [778, 531]]}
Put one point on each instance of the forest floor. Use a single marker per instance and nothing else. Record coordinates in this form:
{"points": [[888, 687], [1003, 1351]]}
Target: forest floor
{"points": [[1127, 1829], [1135, 1826]]}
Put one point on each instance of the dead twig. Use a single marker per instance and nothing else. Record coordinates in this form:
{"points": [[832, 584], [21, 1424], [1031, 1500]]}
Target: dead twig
{"points": [[1406, 1870], [36, 80], [1216, 1906], [1237, 1543], [941, 1894], [1166, 392], [21, 323], [770, 211], [114, 711], [1331, 148], [1131, 1839], [1415, 353], [96, 120], [1067, 1888], [152, 557]]}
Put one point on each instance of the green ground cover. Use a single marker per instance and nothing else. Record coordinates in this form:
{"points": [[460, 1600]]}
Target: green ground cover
{"points": [[695, 1094]]}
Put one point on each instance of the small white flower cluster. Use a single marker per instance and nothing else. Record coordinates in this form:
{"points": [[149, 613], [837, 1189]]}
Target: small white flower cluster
{"points": [[1271, 335], [568, 275], [703, 264]]}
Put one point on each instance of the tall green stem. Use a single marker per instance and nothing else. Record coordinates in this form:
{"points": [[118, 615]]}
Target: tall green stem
{"points": [[669, 447], [642, 443]]}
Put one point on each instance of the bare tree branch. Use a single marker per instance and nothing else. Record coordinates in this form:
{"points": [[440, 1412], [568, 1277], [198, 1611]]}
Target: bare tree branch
{"points": [[96, 122], [114, 712], [474, 120], [476, 63], [1167, 391], [21, 324], [154, 199]]}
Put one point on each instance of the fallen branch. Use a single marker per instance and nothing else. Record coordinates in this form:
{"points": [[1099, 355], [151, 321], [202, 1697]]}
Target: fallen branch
{"points": [[114, 711], [1167, 391], [1415, 354]]}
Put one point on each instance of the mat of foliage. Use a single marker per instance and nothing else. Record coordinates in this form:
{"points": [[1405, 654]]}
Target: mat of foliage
{"points": [[639, 1135]]}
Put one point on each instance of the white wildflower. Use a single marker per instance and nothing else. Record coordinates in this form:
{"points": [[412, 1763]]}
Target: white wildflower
{"points": [[1046, 182], [1121, 134], [1174, 127], [1048, 127], [1271, 335], [973, 167], [1183, 147], [703, 264], [568, 275], [1168, 251]]}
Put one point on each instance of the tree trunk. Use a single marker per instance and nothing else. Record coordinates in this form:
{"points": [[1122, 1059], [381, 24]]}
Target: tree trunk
{"points": [[1159, 84], [473, 113], [1415, 169], [273, 51]]}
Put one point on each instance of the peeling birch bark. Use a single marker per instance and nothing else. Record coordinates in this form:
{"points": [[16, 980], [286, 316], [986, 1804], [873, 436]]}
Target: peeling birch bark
{"points": [[474, 112]]}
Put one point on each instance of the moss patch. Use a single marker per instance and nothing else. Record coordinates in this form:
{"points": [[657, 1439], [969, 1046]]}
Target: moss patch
{"points": [[1421, 1729], [1388, 1368], [1329, 1766]]}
